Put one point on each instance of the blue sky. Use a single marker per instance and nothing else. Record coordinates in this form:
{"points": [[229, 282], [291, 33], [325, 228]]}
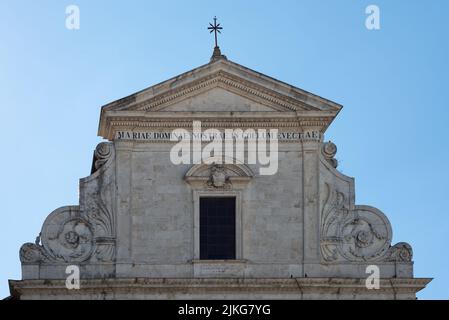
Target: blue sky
{"points": [[392, 134]]}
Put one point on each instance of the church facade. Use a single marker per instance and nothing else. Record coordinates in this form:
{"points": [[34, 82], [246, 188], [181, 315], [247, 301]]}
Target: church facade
{"points": [[166, 213]]}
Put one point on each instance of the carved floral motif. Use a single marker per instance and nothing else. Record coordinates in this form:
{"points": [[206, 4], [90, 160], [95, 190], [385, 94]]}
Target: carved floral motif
{"points": [[98, 206]]}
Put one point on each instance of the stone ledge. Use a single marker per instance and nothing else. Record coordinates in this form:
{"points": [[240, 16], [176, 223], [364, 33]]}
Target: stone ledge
{"points": [[214, 288]]}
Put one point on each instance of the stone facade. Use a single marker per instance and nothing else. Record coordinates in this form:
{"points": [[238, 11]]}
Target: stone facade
{"points": [[135, 232]]}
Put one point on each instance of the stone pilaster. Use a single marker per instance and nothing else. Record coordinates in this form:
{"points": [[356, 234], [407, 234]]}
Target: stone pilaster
{"points": [[311, 251], [124, 218]]}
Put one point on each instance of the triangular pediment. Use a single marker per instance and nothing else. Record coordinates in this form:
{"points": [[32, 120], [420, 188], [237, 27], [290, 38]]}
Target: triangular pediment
{"points": [[218, 99], [233, 78], [220, 86]]}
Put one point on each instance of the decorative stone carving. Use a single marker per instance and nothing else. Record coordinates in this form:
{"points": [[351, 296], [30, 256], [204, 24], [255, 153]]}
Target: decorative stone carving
{"points": [[329, 150], [98, 203], [102, 153], [31, 253], [229, 81], [105, 251], [218, 178], [360, 234], [333, 211], [78, 233], [38, 240], [283, 99], [365, 234], [211, 175], [280, 220], [67, 237], [400, 252], [100, 215]]}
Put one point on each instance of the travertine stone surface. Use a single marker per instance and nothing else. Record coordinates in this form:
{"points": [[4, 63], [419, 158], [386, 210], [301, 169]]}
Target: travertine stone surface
{"points": [[205, 288], [300, 234]]}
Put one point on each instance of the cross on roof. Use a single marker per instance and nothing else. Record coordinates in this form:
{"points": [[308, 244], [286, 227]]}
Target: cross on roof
{"points": [[215, 28]]}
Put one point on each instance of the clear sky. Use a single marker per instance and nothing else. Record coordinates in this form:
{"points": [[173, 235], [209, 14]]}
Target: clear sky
{"points": [[392, 134]]}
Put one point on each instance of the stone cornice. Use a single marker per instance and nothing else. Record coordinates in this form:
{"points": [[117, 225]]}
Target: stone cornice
{"points": [[286, 101], [229, 71], [172, 120], [294, 288], [228, 82]]}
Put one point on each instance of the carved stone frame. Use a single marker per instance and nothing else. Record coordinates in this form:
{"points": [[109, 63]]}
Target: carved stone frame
{"points": [[237, 178]]}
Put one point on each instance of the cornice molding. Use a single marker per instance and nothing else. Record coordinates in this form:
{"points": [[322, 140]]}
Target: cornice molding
{"points": [[290, 107], [118, 123], [228, 82], [300, 288]]}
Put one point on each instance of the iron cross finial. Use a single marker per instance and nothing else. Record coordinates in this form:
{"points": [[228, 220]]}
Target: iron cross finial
{"points": [[215, 28]]}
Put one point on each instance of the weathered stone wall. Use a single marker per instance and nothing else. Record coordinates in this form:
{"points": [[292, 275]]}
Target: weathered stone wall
{"points": [[160, 215], [137, 222]]}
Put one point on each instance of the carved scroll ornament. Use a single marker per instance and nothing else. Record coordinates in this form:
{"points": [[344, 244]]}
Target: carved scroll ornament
{"points": [[70, 235], [357, 235]]}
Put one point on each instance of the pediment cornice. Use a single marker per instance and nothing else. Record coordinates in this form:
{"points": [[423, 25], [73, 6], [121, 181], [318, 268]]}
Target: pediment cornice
{"points": [[226, 81], [163, 121], [291, 106]]}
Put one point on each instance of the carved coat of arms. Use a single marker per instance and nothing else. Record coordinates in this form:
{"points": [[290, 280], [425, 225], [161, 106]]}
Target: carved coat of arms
{"points": [[218, 178]]}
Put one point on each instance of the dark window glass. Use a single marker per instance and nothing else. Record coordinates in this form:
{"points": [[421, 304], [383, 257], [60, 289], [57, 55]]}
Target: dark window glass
{"points": [[217, 228]]}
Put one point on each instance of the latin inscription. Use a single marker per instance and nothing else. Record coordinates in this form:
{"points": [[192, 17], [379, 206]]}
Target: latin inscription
{"points": [[204, 136]]}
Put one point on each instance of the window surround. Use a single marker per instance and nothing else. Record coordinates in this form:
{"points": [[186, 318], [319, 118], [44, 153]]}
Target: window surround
{"points": [[237, 177]]}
